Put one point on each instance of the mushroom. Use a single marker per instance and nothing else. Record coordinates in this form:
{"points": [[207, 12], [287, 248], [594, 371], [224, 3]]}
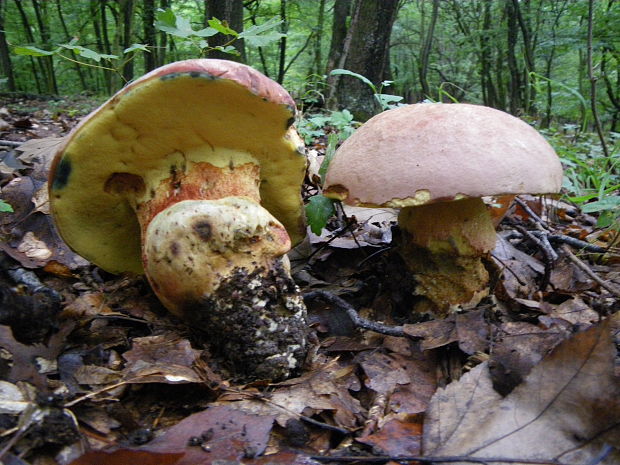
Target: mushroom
{"points": [[192, 175], [435, 162]]}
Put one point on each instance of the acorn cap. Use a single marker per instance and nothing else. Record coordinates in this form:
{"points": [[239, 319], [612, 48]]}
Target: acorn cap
{"points": [[159, 123], [434, 152]]}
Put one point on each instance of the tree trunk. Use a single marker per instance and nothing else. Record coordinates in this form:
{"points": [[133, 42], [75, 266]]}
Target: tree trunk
{"points": [[529, 91], [230, 11], [282, 54], [335, 59], [514, 83], [163, 37], [105, 42], [426, 50], [40, 11], [150, 35], [76, 66], [126, 8], [6, 67], [38, 70], [367, 55], [317, 64]]}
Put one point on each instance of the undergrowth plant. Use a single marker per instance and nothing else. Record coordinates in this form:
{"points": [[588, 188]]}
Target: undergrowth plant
{"points": [[320, 209], [590, 178]]}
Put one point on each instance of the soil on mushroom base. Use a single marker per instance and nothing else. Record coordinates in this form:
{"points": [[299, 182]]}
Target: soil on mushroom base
{"points": [[257, 321]]}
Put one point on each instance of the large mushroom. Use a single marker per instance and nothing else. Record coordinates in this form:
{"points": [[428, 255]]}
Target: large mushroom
{"points": [[192, 174], [435, 162]]}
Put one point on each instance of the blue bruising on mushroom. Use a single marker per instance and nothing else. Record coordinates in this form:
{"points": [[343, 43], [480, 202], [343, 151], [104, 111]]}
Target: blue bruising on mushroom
{"points": [[192, 74], [63, 171]]}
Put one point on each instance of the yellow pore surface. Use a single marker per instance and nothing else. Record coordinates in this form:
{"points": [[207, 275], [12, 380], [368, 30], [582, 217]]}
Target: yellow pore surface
{"points": [[166, 124]]}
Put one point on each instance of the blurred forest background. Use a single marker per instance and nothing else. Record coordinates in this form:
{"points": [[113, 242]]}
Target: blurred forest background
{"points": [[556, 63]]}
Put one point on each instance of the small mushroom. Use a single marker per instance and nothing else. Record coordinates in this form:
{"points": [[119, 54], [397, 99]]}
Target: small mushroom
{"points": [[192, 174], [435, 162]]}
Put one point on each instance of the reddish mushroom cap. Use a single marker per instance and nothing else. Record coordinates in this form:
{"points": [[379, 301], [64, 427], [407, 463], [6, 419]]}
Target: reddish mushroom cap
{"points": [[434, 152]]}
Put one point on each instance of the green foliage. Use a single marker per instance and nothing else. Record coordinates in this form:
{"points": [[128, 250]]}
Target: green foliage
{"points": [[386, 101], [319, 124], [318, 211], [590, 178], [180, 26], [5, 207]]}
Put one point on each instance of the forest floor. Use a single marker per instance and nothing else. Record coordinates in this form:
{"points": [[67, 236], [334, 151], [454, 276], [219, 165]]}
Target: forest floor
{"points": [[93, 370]]}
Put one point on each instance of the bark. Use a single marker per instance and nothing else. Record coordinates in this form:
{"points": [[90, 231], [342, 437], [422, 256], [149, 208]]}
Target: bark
{"points": [[528, 51], [559, 10], [515, 82], [593, 80], [163, 37], [150, 34], [426, 50], [6, 67], [282, 52], [367, 55], [252, 7], [317, 66], [76, 66], [37, 67], [230, 11], [126, 14], [335, 59], [106, 45], [489, 92], [40, 10]]}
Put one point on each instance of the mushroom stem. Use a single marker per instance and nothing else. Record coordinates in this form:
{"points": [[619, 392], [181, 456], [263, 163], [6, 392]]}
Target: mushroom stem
{"points": [[220, 263], [443, 244]]}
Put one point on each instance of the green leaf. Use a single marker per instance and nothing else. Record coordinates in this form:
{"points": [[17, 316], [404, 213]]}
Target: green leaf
{"points": [[206, 32], [222, 27], [258, 36], [5, 207], [606, 203], [228, 49], [165, 18], [31, 51], [135, 47], [88, 53], [364, 79], [318, 211], [332, 141], [170, 23]]}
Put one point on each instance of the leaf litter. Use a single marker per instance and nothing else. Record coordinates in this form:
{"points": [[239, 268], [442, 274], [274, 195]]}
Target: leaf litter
{"points": [[529, 374]]}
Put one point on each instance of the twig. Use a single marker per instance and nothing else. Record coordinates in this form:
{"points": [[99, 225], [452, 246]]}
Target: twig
{"points": [[430, 459], [312, 421], [537, 219], [587, 270], [357, 320], [548, 252], [577, 243], [607, 449], [10, 143]]}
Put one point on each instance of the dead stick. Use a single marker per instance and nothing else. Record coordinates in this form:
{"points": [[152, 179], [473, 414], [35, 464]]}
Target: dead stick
{"points": [[430, 459], [357, 320], [587, 270]]}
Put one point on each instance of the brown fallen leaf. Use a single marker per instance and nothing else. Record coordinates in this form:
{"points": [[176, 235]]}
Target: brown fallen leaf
{"points": [[217, 434], [567, 409], [397, 437], [125, 456]]}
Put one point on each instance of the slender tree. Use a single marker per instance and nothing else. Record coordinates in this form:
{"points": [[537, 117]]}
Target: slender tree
{"points": [[368, 46], [150, 35], [427, 39], [230, 11], [337, 55], [6, 67]]}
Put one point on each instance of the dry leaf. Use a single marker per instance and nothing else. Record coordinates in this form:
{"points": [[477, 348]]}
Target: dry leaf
{"points": [[566, 409]]}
